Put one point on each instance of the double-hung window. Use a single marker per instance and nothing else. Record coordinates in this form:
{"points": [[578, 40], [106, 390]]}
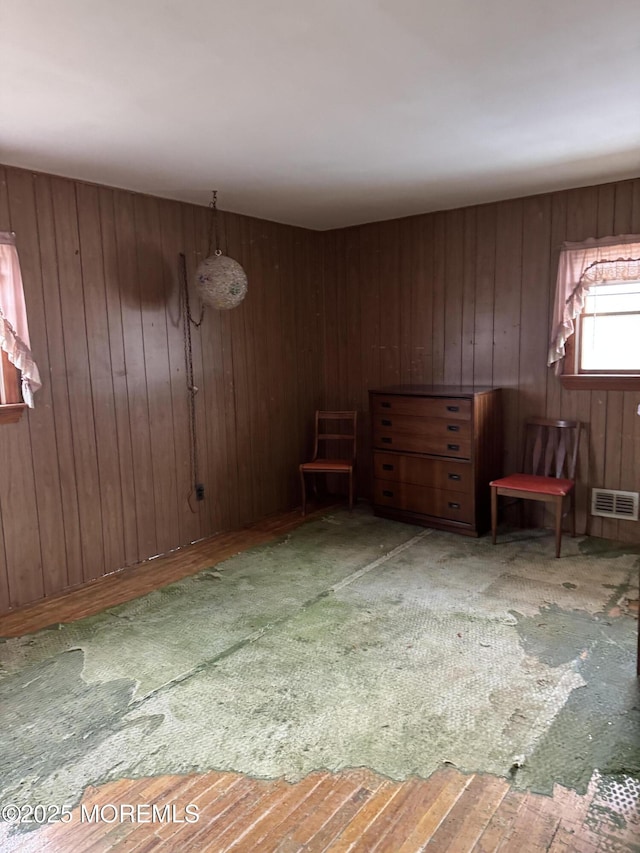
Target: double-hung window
{"points": [[595, 339], [608, 333]]}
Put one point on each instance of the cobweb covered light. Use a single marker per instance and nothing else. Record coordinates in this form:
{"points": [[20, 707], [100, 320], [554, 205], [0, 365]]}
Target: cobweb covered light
{"points": [[222, 282]]}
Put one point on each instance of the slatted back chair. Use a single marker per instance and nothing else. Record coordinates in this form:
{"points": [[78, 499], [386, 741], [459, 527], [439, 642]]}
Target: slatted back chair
{"points": [[336, 431], [550, 459]]}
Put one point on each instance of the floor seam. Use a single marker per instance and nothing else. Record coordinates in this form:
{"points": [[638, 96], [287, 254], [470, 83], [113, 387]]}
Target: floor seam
{"points": [[260, 632]]}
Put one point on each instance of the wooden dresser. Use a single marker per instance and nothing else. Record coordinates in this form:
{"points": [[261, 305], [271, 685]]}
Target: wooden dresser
{"points": [[435, 450]]}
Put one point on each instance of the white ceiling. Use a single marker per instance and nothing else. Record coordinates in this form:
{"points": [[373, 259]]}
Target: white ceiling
{"points": [[323, 113]]}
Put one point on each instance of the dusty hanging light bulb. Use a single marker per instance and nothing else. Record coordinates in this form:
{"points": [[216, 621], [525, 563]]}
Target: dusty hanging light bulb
{"points": [[221, 281]]}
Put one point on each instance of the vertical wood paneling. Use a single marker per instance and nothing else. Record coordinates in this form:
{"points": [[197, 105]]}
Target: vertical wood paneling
{"points": [[101, 375], [506, 326], [208, 512], [390, 302], [211, 400], [340, 302], [453, 297], [261, 296], [421, 329], [558, 235], [98, 475], [24, 580], [118, 376], [83, 426], [240, 355], [485, 299], [58, 379], [251, 322], [482, 284], [330, 330], [369, 305], [439, 284], [352, 317], [42, 432], [129, 288], [406, 280], [469, 296], [227, 391], [188, 514], [153, 278], [534, 306]]}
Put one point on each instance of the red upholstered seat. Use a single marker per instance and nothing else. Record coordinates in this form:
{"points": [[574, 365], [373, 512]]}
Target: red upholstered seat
{"points": [[327, 465], [535, 483], [550, 447]]}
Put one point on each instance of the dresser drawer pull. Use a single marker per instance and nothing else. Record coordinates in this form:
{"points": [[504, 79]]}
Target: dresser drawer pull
{"points": [[453, 505], [449, 446], [386, 440], [385, 405], [387, 467], [455, 477], [453, 408], [453, 428], [385, 422], [387, 493]]}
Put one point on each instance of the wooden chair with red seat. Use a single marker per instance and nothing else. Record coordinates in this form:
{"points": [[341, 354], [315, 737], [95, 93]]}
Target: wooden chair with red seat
{"points": [[330, 436], [550, 454]]}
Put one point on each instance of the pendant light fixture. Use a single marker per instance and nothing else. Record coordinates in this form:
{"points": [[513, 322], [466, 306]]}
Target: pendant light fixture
{"points": [[221, 281]]}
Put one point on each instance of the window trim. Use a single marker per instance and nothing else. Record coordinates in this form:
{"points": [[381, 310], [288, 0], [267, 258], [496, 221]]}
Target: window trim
{"points": [[10, 413], [11, 403]]}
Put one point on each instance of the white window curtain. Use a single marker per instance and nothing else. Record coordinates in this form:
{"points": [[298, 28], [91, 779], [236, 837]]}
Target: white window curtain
{"points": [[580, 266], [14, 332]]}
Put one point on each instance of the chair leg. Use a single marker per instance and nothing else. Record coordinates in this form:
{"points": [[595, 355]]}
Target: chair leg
{"points": [[558, 503], [572, 498], [494, 512], [350, 491], [304, 493]]}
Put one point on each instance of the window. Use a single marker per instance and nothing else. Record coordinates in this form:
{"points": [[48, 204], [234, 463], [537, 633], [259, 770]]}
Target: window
{"points": [[609, 329], [595, 340], [19, 377]]}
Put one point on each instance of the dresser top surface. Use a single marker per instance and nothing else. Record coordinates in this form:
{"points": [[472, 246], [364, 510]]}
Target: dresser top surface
{"points": [[434, 390]]}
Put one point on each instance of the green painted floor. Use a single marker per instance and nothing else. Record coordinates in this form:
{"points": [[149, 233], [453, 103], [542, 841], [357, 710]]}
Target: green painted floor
{"points": [[352, 642]]}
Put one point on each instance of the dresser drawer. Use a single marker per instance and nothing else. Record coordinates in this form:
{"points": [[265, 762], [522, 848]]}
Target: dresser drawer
{"points": [[437, 436], [452, 408], [428, 427], [439, 503], [453, 448], [435, 473]]}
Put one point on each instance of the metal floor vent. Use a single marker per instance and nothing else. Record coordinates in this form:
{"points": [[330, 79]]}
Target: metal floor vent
{"points": [[611, 503]]}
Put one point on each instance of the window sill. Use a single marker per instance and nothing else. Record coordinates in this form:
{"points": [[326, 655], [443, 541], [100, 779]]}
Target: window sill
{"points": [[10, 413], [600, 382]]}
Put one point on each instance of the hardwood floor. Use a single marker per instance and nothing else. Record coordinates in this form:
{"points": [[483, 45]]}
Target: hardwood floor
{"points": [[152, 574], [353, 810]]}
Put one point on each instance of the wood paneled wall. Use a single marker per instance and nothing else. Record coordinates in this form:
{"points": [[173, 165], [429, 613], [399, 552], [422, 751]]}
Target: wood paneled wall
{"points": [[464, 296], [97, 476]]}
